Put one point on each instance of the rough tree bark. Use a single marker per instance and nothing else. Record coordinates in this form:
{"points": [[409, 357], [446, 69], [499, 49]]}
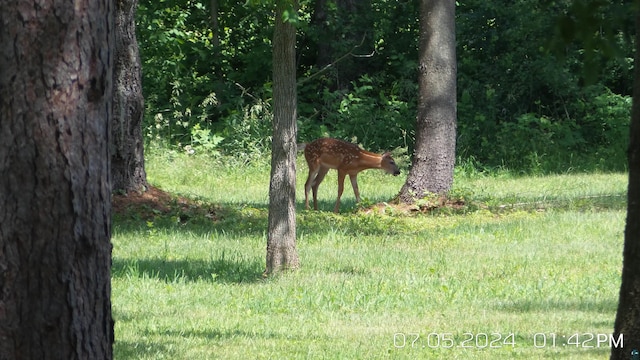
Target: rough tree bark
{"points": [[127, 145], [281, 238], [55, 212], [434, 155], [628, 314]]}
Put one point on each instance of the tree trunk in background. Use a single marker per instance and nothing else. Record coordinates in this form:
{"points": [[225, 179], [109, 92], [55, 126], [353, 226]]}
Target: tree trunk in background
{"points": [[334, 42], [628, 314], [434, 156], [55, 210], [352, 68], [127, 145], [215, 24], [281, 238], [319, 20]]}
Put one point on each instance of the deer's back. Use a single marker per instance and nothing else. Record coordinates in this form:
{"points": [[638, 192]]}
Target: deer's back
{"points": [[331, 153]]}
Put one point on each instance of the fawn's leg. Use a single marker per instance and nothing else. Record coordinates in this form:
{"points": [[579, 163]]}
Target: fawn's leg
{"points": [[321, 174], [341, 176], [354, 184], [308, 184]]}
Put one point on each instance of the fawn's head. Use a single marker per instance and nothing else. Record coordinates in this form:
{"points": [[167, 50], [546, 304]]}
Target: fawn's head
{"points": [[389, 165]]}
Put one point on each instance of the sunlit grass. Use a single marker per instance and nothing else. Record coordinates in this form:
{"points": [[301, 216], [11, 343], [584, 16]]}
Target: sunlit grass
{"points": [[194, 290]]}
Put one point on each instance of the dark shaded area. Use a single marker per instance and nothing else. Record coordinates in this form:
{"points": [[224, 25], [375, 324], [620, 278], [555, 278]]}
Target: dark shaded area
{"points": [[146, 349], [222, 270], [559, 306]]}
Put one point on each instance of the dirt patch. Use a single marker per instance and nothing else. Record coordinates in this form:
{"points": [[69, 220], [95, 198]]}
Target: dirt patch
{"points": [[155, 202], [439, 203]]}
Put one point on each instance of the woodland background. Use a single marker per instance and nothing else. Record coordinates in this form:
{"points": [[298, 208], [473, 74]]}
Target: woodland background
{"points": [[529, 99]]}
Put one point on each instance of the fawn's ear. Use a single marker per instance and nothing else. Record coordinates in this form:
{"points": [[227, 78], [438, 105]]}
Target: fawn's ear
{"points": [[386, 154]]}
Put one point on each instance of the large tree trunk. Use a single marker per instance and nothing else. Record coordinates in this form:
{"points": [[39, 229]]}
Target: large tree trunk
{"points": [[434, 156], [127, 150], [628, 316], [55, 211], [281, 238]]}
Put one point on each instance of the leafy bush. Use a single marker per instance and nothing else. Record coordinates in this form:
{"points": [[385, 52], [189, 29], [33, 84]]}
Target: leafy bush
{"points": [[593, 136], [204, 140], [522, 107], [375, 118], [248, 133], [606, 129]]}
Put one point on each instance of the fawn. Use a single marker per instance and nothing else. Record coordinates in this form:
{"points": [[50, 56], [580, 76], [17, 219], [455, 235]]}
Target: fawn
{"points": [[326, 153]]}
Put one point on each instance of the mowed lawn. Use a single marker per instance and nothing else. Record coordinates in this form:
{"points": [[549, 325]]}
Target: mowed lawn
{"points": [[530, 270]]}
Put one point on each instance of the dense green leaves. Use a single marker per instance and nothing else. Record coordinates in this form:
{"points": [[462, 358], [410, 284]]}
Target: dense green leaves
{"points": [[183, 70], [525, 105], [528, 100]]}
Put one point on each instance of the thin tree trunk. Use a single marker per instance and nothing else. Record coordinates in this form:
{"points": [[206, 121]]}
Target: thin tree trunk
{"points": [[352, 68], [215, 24], [56, 60], [127, 148], [281, 238], [628, 315], [318, 20], [434, 156]]}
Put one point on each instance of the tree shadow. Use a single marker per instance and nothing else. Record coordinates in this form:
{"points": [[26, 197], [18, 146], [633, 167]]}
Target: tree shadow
{"points": [[145, 349], [203, 218], [229, 334], [198, 217], [222, 270], [554, 305]]}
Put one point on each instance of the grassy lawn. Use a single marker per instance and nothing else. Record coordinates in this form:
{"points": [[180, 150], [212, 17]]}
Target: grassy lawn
{"points": [[530, 271]]}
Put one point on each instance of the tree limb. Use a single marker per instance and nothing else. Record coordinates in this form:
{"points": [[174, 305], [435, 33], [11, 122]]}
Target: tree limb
{"points": [[333, 63]]}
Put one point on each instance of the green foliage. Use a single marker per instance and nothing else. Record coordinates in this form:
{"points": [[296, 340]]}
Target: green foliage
{"points": [[378, 120], [543, 86], [248, 132], [174, 51], [540, 144], [521, 107], [203, 139], [188, 81], [606, 126]]}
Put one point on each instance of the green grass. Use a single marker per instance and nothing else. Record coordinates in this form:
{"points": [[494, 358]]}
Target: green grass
{"points": [[542, 256]]}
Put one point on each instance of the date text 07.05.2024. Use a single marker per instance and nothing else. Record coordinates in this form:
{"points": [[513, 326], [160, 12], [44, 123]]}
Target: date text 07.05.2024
{"points": [[498, 340]]}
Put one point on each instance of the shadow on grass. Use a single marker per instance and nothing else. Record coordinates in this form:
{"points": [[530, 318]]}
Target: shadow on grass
{"points": [[145, 349], [238, 271], [248, 220], [232, 334], [199, 219], [607, 306]]}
